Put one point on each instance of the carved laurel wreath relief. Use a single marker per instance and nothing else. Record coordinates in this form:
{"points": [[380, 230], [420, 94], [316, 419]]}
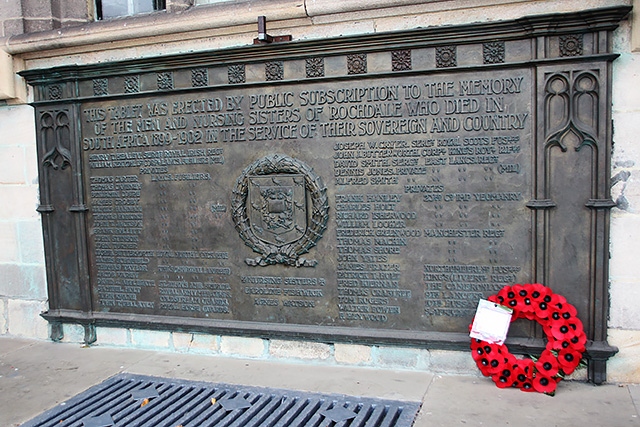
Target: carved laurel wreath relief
{"points": [[280, 210]]}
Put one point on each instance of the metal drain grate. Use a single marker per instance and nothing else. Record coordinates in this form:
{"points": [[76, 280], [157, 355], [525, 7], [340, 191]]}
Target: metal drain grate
{"points": [[128, 400]]}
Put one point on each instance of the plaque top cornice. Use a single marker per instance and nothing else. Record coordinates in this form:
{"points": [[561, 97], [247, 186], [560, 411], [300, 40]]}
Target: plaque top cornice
{"points": [[538, 27]]}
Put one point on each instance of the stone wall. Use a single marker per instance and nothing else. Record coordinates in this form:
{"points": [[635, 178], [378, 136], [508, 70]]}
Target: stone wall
{"points": [[624, 321], [27, 16], [23, 290], [214, 25]]}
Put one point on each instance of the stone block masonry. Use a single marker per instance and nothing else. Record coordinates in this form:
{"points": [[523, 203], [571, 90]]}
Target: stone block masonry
{"points": [[287, 351], [23, 292]]}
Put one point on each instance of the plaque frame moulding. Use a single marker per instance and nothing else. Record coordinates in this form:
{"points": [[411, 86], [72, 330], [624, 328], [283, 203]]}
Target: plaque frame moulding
{"points": [[568, 55]]}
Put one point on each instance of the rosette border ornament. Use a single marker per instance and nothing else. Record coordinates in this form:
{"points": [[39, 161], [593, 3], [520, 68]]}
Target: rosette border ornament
{"points": [[280, 210]]}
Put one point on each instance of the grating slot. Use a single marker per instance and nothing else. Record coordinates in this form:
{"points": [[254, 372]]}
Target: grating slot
{"points": [[171, 403], [273, 414], [159, 409], [364, 414], [306, 412], [371, 417], [203, 410], [93, 404], [88, 404], [314, 419], [171, 407], [211, 413], [199, 396], [393, 417], [284, 420], [402, 416], [258, 402], [136, 413], [277, 405], [232, 414]]}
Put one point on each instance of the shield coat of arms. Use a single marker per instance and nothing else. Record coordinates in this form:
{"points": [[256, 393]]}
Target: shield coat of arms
{"points": [[277, 207], [280, 210]]}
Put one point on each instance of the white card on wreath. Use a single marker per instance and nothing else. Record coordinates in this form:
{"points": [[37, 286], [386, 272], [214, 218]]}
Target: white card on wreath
{"points": [[491, 323]]}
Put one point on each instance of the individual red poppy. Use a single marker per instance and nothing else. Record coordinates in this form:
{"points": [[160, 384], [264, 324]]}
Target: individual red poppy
{"points": [[484, 349], [538, 292], [547, 364], [556, 345], [490, 365], [541, 308], [562, 331], [483, 365], [502, 381], [579, 342], [523, 298], [558, 301], [509, 297], [475, 342], [568, 360], [527, 366], [503, 295], [504, 378], [576, 326], [544, 384], [477, 353], [568, 311], [522, 371]]}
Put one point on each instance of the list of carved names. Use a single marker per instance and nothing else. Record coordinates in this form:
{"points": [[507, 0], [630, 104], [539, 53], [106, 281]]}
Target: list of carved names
{"points": [[427, 179]]}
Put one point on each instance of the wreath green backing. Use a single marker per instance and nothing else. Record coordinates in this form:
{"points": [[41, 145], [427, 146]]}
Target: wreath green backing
{"points": [[566, 341]]}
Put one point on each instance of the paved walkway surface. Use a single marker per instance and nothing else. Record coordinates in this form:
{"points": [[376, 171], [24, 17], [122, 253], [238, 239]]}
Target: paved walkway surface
{"points": [[37, 375]]}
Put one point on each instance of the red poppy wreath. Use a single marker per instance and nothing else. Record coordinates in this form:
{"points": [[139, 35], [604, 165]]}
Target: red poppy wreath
{"points": [[566, 341]]}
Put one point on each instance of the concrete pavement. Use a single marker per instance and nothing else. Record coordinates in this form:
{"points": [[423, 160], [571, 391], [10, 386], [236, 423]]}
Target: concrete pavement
{"points": [[37, 375]]}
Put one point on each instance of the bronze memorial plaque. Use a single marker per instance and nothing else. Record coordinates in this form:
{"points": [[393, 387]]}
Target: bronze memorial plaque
{"points": [[392, 203], [367, 189]]}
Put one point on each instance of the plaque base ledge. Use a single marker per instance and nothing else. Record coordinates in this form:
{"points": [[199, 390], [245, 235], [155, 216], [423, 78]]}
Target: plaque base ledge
{"points": [[456, 341]]}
